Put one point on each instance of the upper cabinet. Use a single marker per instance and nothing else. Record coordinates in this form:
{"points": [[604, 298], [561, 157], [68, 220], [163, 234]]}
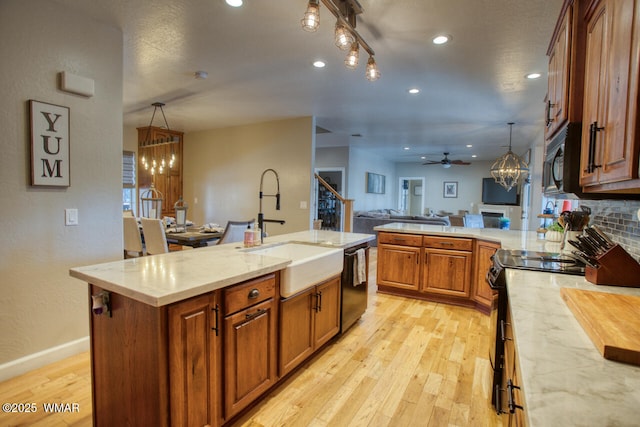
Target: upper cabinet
{"points": [[610, 146], [564, 97], [169, 181]]}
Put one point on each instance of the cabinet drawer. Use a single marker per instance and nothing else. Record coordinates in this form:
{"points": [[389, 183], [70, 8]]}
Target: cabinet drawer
{"points": [[448, 243], [400, 239], [249, 293]]}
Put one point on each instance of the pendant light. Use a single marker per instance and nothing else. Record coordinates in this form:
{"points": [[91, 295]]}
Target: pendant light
{"points": [[344, 39], [372, 71], [153, 165], [351, 61], [510, 169]]}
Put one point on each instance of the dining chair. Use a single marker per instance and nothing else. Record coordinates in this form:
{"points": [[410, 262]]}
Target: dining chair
{"points": [[132, 239], [234, 231], [154, 238], [473, 221]]}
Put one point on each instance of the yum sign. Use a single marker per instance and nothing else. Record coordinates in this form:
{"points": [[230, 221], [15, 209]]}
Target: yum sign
{"points": [[49, 144]]}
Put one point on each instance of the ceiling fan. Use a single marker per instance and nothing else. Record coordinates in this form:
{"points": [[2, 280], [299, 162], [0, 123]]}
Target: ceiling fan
{"points": [[446, 163]]}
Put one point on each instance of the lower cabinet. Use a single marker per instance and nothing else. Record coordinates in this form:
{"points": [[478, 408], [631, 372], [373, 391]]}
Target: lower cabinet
{"points": [[307, 321], [436, 267], [250, 337], [194, 367], [512, 395]]}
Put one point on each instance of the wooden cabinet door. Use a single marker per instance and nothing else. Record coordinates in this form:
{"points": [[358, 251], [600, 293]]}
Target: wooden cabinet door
{"points": [[482, 292], [594, 97], [609, 140], [250, 355], [399, 266], [194, 370], [327, 311], [296, 330], [617, 148], [558, 96], [447, 272]]}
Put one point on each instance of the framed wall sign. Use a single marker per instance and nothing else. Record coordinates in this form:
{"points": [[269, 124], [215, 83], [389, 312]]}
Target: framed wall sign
{"points": [[375, 183], [50, 149], [450, 189]]}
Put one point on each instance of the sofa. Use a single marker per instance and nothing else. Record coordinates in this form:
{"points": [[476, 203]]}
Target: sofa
{"points": [[365, 221]]}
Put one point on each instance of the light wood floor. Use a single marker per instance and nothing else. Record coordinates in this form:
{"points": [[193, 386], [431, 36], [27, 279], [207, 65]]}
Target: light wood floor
{"points": [[405, 363]]}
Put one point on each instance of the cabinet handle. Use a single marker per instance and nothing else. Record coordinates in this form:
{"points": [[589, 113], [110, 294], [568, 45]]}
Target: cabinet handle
{"points": [[512, 403], [446, 243], [254, 293], [216, 310], [250, 317], [503, 334], [549, 107], [591, 164], [318, 302]]}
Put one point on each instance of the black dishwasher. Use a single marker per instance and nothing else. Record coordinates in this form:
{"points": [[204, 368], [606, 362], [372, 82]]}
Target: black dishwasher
{"points": [[354, 293]]}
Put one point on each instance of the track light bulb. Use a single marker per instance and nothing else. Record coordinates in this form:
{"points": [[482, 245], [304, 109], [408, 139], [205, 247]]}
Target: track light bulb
{"points": [[311, 20], [352, 57], [372, 71], [344, 39]]}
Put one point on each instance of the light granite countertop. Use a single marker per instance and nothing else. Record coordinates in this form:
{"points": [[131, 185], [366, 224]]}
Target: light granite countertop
{"points": [[565, 379], [167, 278]]}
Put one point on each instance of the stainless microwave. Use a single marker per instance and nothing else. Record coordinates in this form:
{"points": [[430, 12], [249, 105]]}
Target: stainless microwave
{"points": [[561, 171]]}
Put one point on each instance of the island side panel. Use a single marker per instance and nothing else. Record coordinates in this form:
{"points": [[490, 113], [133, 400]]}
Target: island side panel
{"points": [[129, 365]]}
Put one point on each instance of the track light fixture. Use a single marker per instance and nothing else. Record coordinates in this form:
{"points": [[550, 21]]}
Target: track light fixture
{"points": [[346, 36]]}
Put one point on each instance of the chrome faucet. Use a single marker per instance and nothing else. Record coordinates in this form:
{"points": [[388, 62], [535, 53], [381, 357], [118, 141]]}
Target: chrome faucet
{"points": [[261, 219]]}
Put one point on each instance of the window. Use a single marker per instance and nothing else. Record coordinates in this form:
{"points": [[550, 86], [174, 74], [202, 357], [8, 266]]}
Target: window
{"points": [[129, 181]]}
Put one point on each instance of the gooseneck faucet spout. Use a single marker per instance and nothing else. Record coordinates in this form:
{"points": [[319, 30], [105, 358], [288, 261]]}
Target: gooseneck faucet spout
{"points": [[277, 196]]}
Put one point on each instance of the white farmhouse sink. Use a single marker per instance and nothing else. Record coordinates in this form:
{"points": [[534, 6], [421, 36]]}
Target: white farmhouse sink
{"points": [[309, 265]]}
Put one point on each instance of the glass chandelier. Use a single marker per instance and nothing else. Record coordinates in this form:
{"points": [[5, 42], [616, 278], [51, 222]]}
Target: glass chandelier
{"points": [[510, 169]]}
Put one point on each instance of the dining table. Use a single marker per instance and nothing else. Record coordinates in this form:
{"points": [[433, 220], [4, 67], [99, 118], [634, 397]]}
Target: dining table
{"points": [[194, 237]]}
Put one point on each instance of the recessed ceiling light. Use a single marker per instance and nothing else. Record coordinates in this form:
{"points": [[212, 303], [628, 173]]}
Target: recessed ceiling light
{"points": [[533, 76], [469, 145], [441, 39], [406, 148], [319, 64], [423, 157], [414, 90], [474, 155], [234, 3]]}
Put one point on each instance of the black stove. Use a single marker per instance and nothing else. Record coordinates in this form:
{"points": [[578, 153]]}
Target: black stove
{"points": [[553, 262]]}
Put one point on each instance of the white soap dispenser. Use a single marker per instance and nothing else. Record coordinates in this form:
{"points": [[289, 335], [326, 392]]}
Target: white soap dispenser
{"points": [[248, 237]]}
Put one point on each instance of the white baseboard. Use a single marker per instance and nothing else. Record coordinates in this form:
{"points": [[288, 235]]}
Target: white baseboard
{"points": [[43, 358]]}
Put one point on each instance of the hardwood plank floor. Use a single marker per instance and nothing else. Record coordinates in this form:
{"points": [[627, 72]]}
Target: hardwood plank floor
{"points": [[405, 363]]}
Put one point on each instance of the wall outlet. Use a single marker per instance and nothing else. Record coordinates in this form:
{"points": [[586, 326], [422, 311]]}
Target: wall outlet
{"points": [[303, 204], [71, 217]]}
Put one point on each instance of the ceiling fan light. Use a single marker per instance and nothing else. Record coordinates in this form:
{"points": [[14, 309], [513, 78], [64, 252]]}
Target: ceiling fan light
{"points": [[446, 165], [344, 39], [372, 71], [351, 62], [311, 20]]}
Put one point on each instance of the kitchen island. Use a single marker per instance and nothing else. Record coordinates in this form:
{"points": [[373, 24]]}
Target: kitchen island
{"points": [[565, 380], [192, 337]]}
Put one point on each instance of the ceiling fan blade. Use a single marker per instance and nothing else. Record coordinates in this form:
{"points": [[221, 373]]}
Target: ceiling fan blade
{"points": [[459, 162], [432, 162]]}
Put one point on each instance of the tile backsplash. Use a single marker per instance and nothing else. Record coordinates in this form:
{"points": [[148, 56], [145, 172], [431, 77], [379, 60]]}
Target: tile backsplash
{"points": [[619, 219]]}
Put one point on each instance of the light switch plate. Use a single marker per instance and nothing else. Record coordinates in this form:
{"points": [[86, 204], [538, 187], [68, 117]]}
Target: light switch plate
{"points": [[303, 204], [71, 217]]}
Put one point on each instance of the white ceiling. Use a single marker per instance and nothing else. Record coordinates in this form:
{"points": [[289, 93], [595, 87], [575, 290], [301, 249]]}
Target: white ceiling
{"points": [[259, 64]]}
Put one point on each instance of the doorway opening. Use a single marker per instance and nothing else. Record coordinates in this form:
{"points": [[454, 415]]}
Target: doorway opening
{"points": [[328, 207], [410, 195]]}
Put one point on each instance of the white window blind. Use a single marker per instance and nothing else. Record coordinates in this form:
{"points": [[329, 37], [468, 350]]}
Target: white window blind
{"points": [[128, 169]]}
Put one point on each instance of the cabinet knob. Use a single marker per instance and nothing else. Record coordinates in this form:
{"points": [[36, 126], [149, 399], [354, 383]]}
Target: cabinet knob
{"points": [[254, 293]]}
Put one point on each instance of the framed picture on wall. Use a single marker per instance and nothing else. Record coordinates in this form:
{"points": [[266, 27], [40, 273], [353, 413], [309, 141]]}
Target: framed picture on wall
{"points": [[450, 189], [375, 183], [50, 152]]}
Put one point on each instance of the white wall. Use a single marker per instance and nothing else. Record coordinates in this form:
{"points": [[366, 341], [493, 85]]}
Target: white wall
{"points": [[223, 167], [43, 309], [360, 162]]}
